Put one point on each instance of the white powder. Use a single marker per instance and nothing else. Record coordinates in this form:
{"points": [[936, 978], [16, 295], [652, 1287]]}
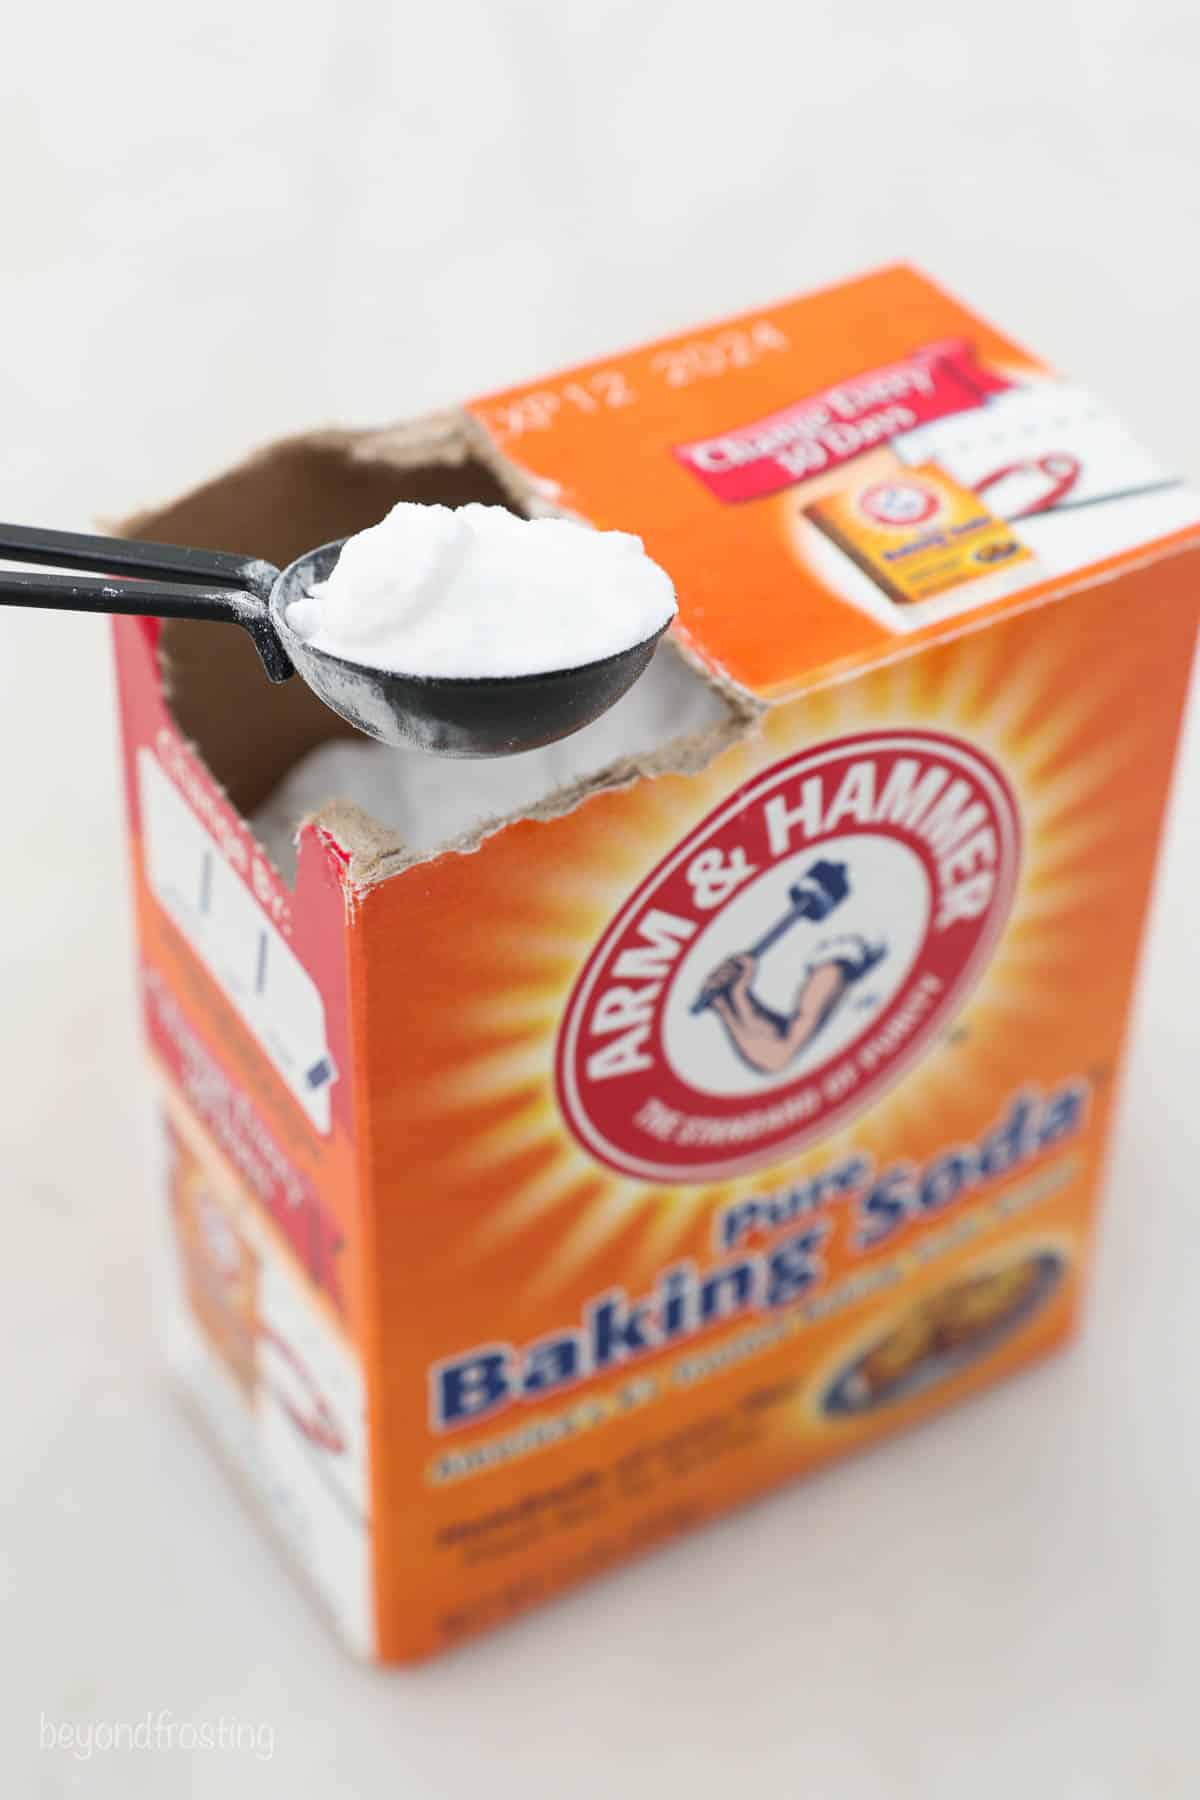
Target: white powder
{"points": [[429, 801], [474, 590]]}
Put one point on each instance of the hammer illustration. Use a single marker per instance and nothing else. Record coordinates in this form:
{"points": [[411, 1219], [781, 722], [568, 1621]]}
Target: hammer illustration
{"points": [[815, 895]]}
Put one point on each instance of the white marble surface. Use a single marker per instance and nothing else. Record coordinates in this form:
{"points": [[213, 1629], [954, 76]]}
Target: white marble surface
{"points": [[224, 222]]}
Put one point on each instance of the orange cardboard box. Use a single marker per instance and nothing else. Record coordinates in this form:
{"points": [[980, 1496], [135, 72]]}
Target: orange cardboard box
{"points": [[531, 1198]]}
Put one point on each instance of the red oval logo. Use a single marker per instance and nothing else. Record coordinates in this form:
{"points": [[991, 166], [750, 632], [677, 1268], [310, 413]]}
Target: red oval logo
{"points": [[790, 958], [898, 505]]}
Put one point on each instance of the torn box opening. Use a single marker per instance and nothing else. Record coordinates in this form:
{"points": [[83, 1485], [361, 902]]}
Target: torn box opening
{"points": [[283, 758]]}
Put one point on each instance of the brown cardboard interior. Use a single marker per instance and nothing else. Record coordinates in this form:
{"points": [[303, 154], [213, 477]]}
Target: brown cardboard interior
{"points": [[389, 809], [291, 497], [306, 491]]}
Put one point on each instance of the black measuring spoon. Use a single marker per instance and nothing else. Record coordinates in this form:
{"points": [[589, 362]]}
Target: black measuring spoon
{"points": [[485, 715]]}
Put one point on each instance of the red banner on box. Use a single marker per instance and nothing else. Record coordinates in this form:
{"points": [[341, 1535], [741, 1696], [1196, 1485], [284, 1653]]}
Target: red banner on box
{"points": [[828, 428]]}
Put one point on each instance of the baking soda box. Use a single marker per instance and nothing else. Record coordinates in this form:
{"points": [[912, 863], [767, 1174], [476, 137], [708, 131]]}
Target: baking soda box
{"points": [[533, 1195]]}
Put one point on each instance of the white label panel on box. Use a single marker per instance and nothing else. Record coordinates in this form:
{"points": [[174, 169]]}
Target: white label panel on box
{"points": [[242, 950]]}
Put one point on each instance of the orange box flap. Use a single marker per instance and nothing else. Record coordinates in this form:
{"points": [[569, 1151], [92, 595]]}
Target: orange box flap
{"points": [[835, 479]]}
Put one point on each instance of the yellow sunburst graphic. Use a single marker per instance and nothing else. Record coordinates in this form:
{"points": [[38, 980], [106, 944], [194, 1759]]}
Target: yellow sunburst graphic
{"points": [[1040, 696]]}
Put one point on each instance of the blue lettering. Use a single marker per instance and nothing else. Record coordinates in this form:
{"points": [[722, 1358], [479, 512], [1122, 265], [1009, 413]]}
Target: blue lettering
{"points": [[553, 1361], [887, 1206], [473, 1385], [677, 1289], [851, 1174], [1003, 1148], [770, 1212], [1063, 1114], [619, 1330], [794, 1266], [946, 1178], [737, 1281], [737, 1220]]}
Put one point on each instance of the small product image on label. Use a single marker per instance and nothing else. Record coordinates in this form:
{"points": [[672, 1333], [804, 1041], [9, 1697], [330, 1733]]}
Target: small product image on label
{"points": [[898, 504], [947, 1331], [791, 958], [919, 534]]}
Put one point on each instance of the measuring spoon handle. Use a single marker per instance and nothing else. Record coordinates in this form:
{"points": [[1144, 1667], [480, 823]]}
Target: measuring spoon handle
{"points": [[154, 600], [129, 556]]}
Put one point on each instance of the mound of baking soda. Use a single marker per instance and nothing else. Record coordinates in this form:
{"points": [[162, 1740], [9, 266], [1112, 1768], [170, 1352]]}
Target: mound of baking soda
{"points": [[477, 591]]}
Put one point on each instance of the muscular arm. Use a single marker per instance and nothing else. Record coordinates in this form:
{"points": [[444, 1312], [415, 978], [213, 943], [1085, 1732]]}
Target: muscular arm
{"points": [[768, 1040]]}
